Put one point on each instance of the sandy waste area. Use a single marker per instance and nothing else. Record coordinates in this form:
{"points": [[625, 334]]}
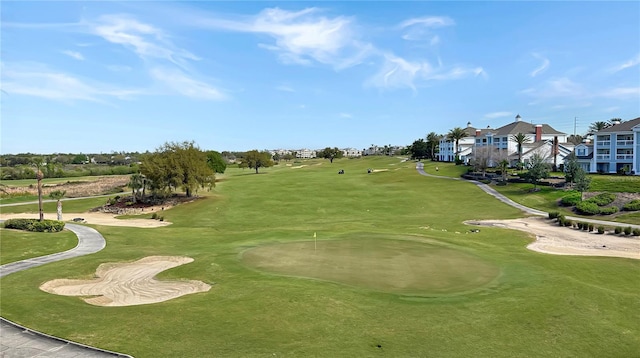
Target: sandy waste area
{"points": [[553, 239], [97, 218], [128, 284]]}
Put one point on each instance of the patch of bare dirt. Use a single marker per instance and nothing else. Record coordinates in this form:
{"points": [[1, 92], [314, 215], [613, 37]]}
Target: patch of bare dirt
{"points": [[76, 189], [553, 239], [128, 284]]}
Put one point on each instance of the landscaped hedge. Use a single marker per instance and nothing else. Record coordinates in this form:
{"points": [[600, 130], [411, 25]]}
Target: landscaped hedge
{"points": [[34, 225], [588, 208], [633, 205], [603, 199], [571, 199], [608, 210]]}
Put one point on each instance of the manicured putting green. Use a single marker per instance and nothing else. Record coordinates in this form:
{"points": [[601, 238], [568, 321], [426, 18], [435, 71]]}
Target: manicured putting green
{"points": [[396, 266]]}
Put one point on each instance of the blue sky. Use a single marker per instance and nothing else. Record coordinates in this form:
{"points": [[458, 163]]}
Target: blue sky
{"points": [[108, 76]]}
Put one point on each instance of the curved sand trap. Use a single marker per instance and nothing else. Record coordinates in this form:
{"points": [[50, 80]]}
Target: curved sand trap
{"points": [[404, 267], [128, 284], [557, 240]]}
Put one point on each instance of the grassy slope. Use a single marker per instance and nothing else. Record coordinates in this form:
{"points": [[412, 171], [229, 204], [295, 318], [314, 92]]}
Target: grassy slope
{"points": [[542, 304], [16, 245]]}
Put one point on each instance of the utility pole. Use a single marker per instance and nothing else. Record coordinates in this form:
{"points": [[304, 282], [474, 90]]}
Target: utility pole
{"points": [[575, 120]]}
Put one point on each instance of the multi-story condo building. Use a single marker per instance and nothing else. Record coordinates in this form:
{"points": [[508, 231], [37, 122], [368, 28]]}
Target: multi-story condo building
{"points": [[498, 144], [305, 153], [615, 149], [351, 152]]}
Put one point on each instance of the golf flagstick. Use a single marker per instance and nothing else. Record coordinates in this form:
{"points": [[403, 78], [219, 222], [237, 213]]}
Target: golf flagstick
{"points": [[315, 242]]}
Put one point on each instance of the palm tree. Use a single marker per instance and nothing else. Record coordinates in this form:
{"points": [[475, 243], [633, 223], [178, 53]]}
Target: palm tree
{"points": [[136, 182], [503, 166], [455, 135], [520, 139], [598, 126], [37, 161], [433, 140]]}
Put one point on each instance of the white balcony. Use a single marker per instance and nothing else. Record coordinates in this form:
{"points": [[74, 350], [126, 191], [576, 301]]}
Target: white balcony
{"points": [[624, 156], [603, 157], [624, 143], [604, 143]]}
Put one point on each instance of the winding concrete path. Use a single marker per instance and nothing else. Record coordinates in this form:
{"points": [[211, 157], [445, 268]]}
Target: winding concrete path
{"points": [[491, 191], [18, 341]]}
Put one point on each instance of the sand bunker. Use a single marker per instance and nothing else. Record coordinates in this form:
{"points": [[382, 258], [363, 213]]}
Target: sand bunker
{"points": [[128, 284], [553, 239], [96, 218]]}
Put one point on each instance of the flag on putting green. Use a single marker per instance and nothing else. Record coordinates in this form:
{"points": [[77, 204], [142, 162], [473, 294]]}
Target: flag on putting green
{"points": [[314, 235]]}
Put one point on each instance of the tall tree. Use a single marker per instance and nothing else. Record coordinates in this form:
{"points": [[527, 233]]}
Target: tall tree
{"points": [[37, 161], [571, 168], [256, 160], [538, 169], [330, 153], [598, 126], [575, 139], [455, 135], [136, 182], [216, 162], [582, 180], [520, 140], [433, 141], [178, 165], [504, 166], [419, 149]]}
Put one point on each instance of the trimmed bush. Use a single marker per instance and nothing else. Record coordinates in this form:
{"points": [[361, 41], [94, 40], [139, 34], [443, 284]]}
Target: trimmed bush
{"points": [[609, 210], [554, 214], [590, 227], [636, 232], [588, 208], [603, 199], [585, 226], [579, 225], [154, 216], [34, 225], [571, 199], [627, 230], [633, 205], [561, 220], [617, 230], [568, 223], [600, 229]]}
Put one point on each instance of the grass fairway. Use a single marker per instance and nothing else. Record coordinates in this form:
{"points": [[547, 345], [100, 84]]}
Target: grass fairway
{"points": [[16, 245], [539, 305], [396, 266]]}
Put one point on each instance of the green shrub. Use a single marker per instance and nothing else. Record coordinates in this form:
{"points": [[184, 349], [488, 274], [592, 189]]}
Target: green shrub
{"points": [[579, 225], [627, 230], [554, 214], [571, 199], [585, 226], [636, 232], [633, 205], [568, 223], [154, 216], [561, 220], [609, 210], [590, 227], [34, 225], [603, 199], [588, 208], [161, 218], [617, 230], [600, 229]]}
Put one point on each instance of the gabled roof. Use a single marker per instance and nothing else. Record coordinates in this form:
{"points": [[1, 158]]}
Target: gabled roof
{"points": [[524, 128], [622, 127]]}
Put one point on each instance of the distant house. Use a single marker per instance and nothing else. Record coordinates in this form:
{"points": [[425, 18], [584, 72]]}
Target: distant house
{"points": [[305, 153], [615, 149], [351, 152], [446, 150]]}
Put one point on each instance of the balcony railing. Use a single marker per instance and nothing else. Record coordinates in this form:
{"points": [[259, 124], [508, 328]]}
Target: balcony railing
{"points": [[603, 157], [624, 143], [624, 156], [604, 143]]}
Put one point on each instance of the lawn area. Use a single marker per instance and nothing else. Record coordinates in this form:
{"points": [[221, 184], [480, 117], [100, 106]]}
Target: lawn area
{"points": [[16, 245], [476, 294]]}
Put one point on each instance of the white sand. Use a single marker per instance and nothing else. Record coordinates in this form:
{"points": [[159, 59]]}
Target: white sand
{"points": [[554, 239], [128, 284]]}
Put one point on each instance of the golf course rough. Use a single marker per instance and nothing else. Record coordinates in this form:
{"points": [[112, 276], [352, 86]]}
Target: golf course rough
{"points": [[386, 265]]}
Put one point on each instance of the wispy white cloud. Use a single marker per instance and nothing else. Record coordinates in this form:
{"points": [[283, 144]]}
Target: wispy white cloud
{"points": [[397, 72], [557, 87], [627, 64], [77, 55], [302, 37], [145, 40], [345, 115], [543, 66], [38, 80], [621, 93], [421, 28], [501, 114], [177, 81], [285, 88]]}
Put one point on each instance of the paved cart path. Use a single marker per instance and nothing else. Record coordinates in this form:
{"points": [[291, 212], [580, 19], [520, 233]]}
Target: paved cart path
{"points": [[18, 341]]}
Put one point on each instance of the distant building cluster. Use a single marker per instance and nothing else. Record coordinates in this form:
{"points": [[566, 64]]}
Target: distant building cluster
{"points": [[614, 149], [306, 153]]}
